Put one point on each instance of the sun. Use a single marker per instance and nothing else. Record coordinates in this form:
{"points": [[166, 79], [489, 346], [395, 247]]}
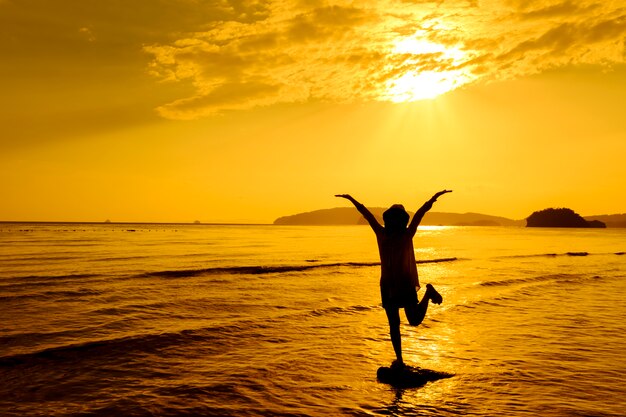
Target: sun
{"points": [[414, 86], [420, 83]]}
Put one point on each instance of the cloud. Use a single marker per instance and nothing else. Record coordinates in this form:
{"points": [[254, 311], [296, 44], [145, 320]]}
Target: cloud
{"points": [[87, 34], [307, 54], [567, 8], [226, 96], [289, 52]]}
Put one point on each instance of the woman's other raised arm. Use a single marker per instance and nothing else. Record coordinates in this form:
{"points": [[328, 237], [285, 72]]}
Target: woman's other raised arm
{"points": [[419, 214]]}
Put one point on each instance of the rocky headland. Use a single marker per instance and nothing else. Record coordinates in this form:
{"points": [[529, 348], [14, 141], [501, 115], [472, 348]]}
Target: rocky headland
{"points": [[350, 216]]}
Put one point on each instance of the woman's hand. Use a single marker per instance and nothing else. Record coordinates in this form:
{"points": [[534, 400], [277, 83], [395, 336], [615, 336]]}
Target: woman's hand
{"points": [[440, 193]]}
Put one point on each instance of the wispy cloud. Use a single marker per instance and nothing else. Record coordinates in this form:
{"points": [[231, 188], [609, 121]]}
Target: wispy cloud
{"points": [[343, 51], [87, 34]]}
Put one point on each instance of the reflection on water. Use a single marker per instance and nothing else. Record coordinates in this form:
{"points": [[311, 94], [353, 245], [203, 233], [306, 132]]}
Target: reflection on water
{"points": [[170, 324]]}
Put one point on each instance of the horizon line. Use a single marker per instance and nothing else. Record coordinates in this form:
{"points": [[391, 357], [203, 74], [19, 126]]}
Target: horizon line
{"points": [[134, 222], [197, 222]]}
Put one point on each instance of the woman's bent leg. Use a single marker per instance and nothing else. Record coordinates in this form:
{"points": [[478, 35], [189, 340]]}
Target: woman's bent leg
{"points": [[415, 313]]}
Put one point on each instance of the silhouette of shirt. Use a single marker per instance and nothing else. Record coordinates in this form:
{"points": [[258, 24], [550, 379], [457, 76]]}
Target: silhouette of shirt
{"points": [[397, 259], [397, 256]]}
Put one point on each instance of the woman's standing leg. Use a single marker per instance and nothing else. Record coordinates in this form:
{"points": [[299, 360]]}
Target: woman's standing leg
{"points": [[393, 315]]}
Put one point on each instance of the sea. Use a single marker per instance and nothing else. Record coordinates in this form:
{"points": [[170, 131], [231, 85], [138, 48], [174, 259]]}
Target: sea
{"points": [[262, 320]]}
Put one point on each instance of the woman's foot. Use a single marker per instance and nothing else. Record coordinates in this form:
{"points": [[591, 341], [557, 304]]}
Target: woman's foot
{"points": [[398, 364], [433, 295]]}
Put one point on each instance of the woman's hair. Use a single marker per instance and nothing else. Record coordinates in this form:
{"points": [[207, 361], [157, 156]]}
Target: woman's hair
{"points": [[396, 218]]}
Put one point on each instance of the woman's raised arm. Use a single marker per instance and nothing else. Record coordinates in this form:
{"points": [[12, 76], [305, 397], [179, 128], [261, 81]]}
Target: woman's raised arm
{"points": [[417, 218], [364, 211]]}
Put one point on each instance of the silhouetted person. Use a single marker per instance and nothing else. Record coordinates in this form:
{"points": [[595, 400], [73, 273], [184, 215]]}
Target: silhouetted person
{"points": [[398, 279]]}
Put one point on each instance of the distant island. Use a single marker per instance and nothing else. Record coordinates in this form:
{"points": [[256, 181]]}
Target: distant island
{"points": [[350, 216], [560, 217]]}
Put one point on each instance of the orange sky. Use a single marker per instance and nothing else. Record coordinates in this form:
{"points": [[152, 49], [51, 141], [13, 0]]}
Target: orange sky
{"points": [[244, 111]]}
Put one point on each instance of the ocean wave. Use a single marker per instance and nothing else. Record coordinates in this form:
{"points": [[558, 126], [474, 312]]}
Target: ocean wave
{"points": [[134, 344], [120, 258], [534, 279], [28, 281], [341, 310], [57, 295], [39, 278], [37, 258], [271, 269], [554, 255], [209, 339], [35, 284]]}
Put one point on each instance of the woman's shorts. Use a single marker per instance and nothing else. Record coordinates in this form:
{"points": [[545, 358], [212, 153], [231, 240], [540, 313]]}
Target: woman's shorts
{"points": [[398, 298]]}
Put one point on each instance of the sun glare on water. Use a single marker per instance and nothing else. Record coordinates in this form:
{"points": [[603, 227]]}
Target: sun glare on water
{"points": [[419, 83]]}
